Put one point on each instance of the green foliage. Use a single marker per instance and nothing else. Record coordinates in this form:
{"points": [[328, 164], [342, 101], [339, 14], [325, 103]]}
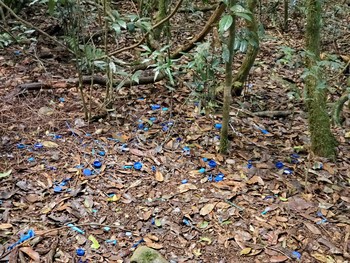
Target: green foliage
{"points": [[5, 40]]}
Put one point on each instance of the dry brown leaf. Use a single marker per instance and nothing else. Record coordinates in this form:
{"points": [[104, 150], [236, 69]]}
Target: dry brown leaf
{"points": [[312, 228], [154, 245], [277, 259], [281, 219], [186, 187], [206, 209], [159, 176], [255, 179], [31, 253], [5, 226], [49, 144]]}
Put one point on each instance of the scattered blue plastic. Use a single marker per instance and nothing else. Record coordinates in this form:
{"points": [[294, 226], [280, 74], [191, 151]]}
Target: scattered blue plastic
{"points": [[38, 145], [87, 172], [296, 255], [77, 229], [267, 209], [153, 221], [287, 171], [184, 181], [250, 164], [261, 129], [212, 164], [324, 219], [58, 188], [127, 166], [165, 109], [61, 99], [107, 228], [218, 126], [269, 197], [128, 234], [138, 243], [23, 238], [165, 128], [219, 177], [186, 222], [101, 153], [124, 147], [111, 241], [31, 159], [56, 137], [155, 107], [279, 165], [210, 177], [20, 146], [137, 166], [140, 126], [153, 168], [80, 252], [205, 159], [201, 171], [153, 119], [17, 52], [97, 164]]}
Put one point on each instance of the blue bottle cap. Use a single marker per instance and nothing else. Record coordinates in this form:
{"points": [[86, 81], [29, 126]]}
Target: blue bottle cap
{"points": [[153, 119], [137, 166], [212, 164], [31, 159], [219, 177], [184, 181], [80, 252], [218, 126], [20, 146], [279, 165], [97, 164], [202, 170], [87, 172], [155, 107]]}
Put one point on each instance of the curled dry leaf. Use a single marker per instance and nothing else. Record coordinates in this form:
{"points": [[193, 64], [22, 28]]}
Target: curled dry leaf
{"points": [[31, 253], [159, 176], [206, 209]]}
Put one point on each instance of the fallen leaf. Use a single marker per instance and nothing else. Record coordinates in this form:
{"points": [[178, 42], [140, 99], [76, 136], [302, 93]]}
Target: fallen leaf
{"points": [[5, 226], [245, 251], [5, 174], [95, 244], [276, 259], [323, 258], [255, 179], [49, 144], [186, 187], [31, 253], [206, 209], [159, 176]]}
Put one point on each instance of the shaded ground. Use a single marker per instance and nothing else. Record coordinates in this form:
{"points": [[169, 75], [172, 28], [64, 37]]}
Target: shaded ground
{"points": [[258, 213]]}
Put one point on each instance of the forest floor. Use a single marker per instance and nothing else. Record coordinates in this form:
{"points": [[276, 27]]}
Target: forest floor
{"points": [[269, 200]]}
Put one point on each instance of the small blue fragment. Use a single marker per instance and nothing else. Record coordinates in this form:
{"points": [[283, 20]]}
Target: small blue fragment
{"points": [[57, 189], [249, 165], [186, 222], [165, 109], [17, 52], [212, 164], [155, 107], [77, 229], [58, 137], [80, 252], [153, 119], [165, 128], [97, 164], [38, 145], [61, 99], [111, 241], [219, 177], [21, 146], [201, 171], [31, 159], [137, 166], [106, 228], [205, 159], [127, 166], [186, 149], [264, 131], [296, 254], [279, 165], [184, 181], [153, 221], [267, 209], [153, 168], [101, 153], [146, 129], [218, 126], [87, 172], [210, 177], [287, 171], [140, 126], [138, 243], [23, 238], [128, 234]]}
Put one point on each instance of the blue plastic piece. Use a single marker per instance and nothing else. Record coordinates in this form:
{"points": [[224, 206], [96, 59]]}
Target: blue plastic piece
{"points": [[107, 228], [20, 146], [138, 243], [137, 166], [186, 149], [165, 109], [111, 241], [165, 128], [57, 189], [264, 131], [212, 164], [77, 229], [140, 126], [80, 252], [56, 137], [153, 119], [205, 159], [155, 107], [210, 177], [23, 238], [218, 126], [153, 168], [146, 129], [61, 99], [38, 145], [219, 177], [186, 222], [127, 166], [287, 171], [250, 164], [153, 221], [279, 165], [202, 170], [87, 172], [31, 159], [101, 153], [97, 164], [296, 255], [184, 181]]}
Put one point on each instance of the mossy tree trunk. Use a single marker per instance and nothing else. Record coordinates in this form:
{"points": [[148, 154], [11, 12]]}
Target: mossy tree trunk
{"points": [[228, 84], [252, 52], [323, 142]]}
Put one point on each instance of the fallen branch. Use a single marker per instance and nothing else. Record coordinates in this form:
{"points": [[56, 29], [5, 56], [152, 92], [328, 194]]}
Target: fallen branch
{"points": [[272, 114]]}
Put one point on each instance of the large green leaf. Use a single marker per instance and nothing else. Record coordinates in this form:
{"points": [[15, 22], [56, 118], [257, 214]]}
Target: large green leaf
{"points": [[225, 23]]}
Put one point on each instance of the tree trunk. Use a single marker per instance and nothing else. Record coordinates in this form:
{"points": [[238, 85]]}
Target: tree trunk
{"points": [[228, 85], [323, 142]]}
